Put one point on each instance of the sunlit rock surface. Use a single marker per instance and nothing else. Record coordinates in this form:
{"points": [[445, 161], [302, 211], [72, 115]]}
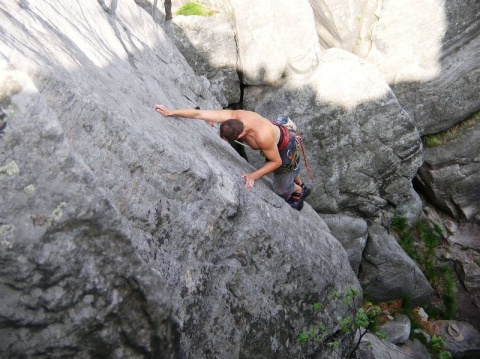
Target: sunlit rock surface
{"points": [[426, 50], [240, 268]]}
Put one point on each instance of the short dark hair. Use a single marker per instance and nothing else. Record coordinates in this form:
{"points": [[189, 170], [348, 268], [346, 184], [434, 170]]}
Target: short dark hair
{"points": [[231, 129]]}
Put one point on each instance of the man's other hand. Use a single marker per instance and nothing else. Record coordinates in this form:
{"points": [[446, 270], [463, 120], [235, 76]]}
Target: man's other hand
{"points": [[249, 181]]}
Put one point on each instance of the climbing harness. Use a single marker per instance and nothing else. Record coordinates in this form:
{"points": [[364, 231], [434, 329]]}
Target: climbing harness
{"points": [[286, 126]]}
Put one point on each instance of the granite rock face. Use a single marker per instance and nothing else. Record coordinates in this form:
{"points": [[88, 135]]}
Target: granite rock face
{"points": [[432, 72], [116, 215], [388, 273], [450, 176], [352, 233], [452, 94], [363, 148], [208, 44], [269, 47], [431, 61], [71, 282], [240, 277]]}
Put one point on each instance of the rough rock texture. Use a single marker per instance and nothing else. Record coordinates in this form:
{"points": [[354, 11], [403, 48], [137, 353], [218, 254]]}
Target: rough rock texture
{"points": [[344, 24], [241, 278], [388, 273], [362, 147], [373, 347], [462, 342], [156, 8], [269, 47], [465, 257], [452, 95], [469, 273], [241, 268], [434, 70], [415, 349], [352, 233], [462, 253], [208, 44], [465, 235], [450, 176], [398, 330], [71, 282]]}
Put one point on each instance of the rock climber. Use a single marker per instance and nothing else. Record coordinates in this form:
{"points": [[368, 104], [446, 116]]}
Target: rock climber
{"points": [[278, 145]]}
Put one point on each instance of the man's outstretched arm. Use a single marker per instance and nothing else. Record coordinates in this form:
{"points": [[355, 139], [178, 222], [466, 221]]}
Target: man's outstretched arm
{"points": [[206, 115]]}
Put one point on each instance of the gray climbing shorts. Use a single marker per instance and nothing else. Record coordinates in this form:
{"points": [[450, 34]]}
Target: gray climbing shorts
{"points": [[284, 176]]}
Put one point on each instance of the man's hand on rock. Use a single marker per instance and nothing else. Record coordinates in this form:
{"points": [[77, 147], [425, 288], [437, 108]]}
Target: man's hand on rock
{"points": [[249, 181], [164, 111]]}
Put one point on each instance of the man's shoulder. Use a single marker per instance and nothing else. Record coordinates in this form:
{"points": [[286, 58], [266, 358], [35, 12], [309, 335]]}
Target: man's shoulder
{"points": [[248, 115], [243, 113]]}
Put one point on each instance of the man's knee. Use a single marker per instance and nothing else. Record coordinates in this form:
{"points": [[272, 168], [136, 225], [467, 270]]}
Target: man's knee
{"points": [[282, 192]]}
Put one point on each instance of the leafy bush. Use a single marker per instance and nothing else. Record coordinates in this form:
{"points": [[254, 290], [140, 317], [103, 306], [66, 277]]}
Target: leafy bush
{"points": [[364, 321], [436, 348]]}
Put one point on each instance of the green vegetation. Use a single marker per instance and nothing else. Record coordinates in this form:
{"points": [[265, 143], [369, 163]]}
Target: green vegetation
{"points": [[420, 244], [364, 321], [195, 8], [436, 348], [451, 134], [430, 235]]}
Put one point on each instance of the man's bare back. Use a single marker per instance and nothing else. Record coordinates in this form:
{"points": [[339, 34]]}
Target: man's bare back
{"points": [[263, 134]]}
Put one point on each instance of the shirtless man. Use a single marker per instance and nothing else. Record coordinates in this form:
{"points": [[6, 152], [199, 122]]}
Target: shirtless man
{"points": [[260, 134]]}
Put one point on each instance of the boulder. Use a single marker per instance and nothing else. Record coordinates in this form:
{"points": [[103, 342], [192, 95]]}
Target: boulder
{"points": [[277, 41], [451, 95], [415, 349], [411, 208], [433, 71], [345, 24], [468, 289], [71, 281], [468, 270], [372, 347], [388, 273], [398, 330], [208, 44], [461, 338], [241, 268], [352, 233], [450, 175], [362, 147], [465, 235]]}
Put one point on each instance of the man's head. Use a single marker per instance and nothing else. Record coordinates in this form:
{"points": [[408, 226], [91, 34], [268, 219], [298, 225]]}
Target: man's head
{"points": [[231, 129]]}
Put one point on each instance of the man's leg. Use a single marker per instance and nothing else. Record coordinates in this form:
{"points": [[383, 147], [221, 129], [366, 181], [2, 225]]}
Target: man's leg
{"points": [[296, 198], [303, 189], [285, 186], [298, 181], [297, 188]]}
